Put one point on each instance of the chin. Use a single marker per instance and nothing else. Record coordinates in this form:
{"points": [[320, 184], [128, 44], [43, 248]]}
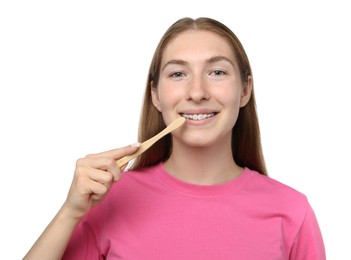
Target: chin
{"points": [[198, 142]]}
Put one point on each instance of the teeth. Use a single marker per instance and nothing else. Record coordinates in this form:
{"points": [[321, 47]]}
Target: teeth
{"points": [[198, 116]]}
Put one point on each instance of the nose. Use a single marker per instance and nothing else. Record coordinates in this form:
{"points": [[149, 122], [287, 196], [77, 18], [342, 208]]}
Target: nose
{"points": [[198, 89]]}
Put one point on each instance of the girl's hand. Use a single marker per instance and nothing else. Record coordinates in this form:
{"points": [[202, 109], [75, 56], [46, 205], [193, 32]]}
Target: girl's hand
{"points": [[93, 178]]}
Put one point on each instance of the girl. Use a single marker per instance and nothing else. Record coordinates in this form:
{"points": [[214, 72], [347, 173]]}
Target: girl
{"points": [[201, 192]]}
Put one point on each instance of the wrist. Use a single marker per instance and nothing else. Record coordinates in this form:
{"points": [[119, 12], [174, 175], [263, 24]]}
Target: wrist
{"points": [[69, 213]]}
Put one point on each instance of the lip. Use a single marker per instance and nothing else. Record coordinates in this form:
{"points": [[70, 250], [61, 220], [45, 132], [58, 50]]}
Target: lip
{"points": [[199, 112]]}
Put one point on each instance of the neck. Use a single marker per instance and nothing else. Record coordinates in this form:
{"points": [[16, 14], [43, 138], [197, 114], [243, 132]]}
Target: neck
{"points": [[203, 165]]}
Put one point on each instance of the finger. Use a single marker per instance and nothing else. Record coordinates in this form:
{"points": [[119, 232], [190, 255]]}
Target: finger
{"points": [[96, 190], [103, 177], [92, 182], [102, 163], [117, 153]]}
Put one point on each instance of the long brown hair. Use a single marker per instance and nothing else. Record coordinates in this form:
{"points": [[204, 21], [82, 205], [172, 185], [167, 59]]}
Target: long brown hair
{"points": [[246, 141]]}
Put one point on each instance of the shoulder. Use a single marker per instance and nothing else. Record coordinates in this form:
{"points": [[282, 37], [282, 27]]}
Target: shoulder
{"points": [[273, 186], [276, 193], [140, 180], [142, 174], [133, 186]]}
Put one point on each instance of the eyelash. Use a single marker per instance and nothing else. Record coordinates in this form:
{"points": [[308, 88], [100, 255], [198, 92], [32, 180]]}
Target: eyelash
{"points": [[179, 74], [218, 72]]}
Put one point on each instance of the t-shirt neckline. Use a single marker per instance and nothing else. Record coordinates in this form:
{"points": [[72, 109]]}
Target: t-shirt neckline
{"points": [[197, 190]]}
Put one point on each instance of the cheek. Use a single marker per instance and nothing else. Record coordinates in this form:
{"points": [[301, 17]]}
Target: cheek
{"points": [[169, 97], [230, 97]]}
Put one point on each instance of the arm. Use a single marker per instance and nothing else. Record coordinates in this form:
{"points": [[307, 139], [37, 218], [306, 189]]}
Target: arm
{"points": [[53, 241], [93, 178]]}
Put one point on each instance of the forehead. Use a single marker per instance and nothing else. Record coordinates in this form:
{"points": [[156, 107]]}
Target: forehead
{"points": [[198, 44]]}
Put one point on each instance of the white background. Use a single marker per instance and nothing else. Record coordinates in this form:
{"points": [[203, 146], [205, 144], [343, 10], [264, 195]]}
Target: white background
{"points": [[72, 76]]}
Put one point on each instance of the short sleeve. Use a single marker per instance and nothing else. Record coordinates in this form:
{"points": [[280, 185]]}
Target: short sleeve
{"points": [[83, 244], [308, 244]]}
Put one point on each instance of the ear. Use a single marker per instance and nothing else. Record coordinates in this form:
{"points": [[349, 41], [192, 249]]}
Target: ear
{"points": [[154, 96], [246, 92]]}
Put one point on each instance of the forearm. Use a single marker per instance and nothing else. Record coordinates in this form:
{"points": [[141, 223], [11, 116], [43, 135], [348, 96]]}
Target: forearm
{"points": [[93, 177], [53, 241]]}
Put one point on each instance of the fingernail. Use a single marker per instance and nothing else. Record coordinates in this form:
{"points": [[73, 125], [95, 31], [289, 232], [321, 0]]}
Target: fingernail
{"points": [[135, 145]]}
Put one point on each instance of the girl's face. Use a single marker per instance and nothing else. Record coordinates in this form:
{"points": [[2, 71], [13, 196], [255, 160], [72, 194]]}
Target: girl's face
{"points": [[200, 80]]}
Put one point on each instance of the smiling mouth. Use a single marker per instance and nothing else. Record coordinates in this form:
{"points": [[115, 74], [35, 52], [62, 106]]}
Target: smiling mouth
{"points": [[198, 117]]}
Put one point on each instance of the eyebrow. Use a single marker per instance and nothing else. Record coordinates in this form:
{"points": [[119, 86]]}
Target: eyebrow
{"points": [[211, 60], [219, 58], [175, 62]]}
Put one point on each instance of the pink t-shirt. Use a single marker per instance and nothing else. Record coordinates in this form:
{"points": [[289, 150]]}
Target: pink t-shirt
{"points": [[150, 214]]}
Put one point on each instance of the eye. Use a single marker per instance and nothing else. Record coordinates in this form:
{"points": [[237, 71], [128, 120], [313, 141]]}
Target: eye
{"points": [[218, 73], [177, 74]]}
